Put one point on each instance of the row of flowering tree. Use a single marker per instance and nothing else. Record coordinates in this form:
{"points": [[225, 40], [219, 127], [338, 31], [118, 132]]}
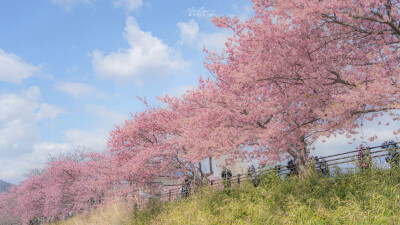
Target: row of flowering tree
{"points": [[296, 72]]}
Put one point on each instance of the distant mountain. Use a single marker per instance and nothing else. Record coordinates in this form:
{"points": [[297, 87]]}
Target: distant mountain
{"points": [[4, 186]]}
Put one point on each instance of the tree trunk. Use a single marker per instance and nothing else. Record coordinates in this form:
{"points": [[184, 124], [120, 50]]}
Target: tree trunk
{"points": [[201, 171], [211, 167], [301, 157]]}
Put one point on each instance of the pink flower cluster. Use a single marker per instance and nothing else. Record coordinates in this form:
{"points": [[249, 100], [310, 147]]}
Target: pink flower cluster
{"points": [[297, 71]]}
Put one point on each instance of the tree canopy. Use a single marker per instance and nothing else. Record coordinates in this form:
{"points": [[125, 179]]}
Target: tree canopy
{"points": [[295, 72]]}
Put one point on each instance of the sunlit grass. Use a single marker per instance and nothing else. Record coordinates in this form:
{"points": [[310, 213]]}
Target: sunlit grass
{"points": [[369, 197], [112, 214]]}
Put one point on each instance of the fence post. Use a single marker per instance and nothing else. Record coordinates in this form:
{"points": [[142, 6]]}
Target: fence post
{"points": [[192, 186], [238, 179], [169, 195]]}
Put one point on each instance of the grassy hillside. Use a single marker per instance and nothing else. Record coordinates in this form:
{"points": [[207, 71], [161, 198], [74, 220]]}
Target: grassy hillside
{"points": [[370, 197]]}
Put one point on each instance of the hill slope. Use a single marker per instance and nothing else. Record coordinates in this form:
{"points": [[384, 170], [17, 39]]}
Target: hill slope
{"points": [[4, 186], [371, 197]]}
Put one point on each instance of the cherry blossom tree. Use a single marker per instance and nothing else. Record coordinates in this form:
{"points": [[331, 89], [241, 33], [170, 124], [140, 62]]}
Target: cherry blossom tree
{"points": [[296, 72], [151, 145], [76, 154], [300, 70], [66, 186], [8, 206]]}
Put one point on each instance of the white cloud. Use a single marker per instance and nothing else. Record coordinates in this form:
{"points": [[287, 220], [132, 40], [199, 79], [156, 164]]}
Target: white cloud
{"points": [[14, 167], [104, 114], [13, 69], [20, 144], [179, 91], [47, 111], [191, 35], [130, 5], [69, 4], [95, 140], [213, 41], [340, 144], [76, 89], [79, 90], [44, 149], [7, 174], [189, 31], [146, 56], [19, 118], [20, 114]]}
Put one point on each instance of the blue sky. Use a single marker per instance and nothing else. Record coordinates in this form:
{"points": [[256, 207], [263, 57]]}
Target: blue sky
{"points": [[71, 69]]}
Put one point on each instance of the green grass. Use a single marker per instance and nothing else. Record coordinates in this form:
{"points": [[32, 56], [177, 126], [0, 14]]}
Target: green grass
{"points": [[369, 197]]}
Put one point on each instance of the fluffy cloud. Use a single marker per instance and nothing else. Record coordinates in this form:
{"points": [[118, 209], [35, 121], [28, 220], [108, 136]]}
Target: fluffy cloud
{"points": [[95, 140], [146, 56], [44, 149], [47, 111], [13, 69], [78, 90], [131, 5], [20, 114], [21, 147], [15, 163], [19, 118], [189, 31], [102, 113], [69, 4], [191, 35], [340, 144], [213, 41], [8, 174], [179, 91], [15, 167]]}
